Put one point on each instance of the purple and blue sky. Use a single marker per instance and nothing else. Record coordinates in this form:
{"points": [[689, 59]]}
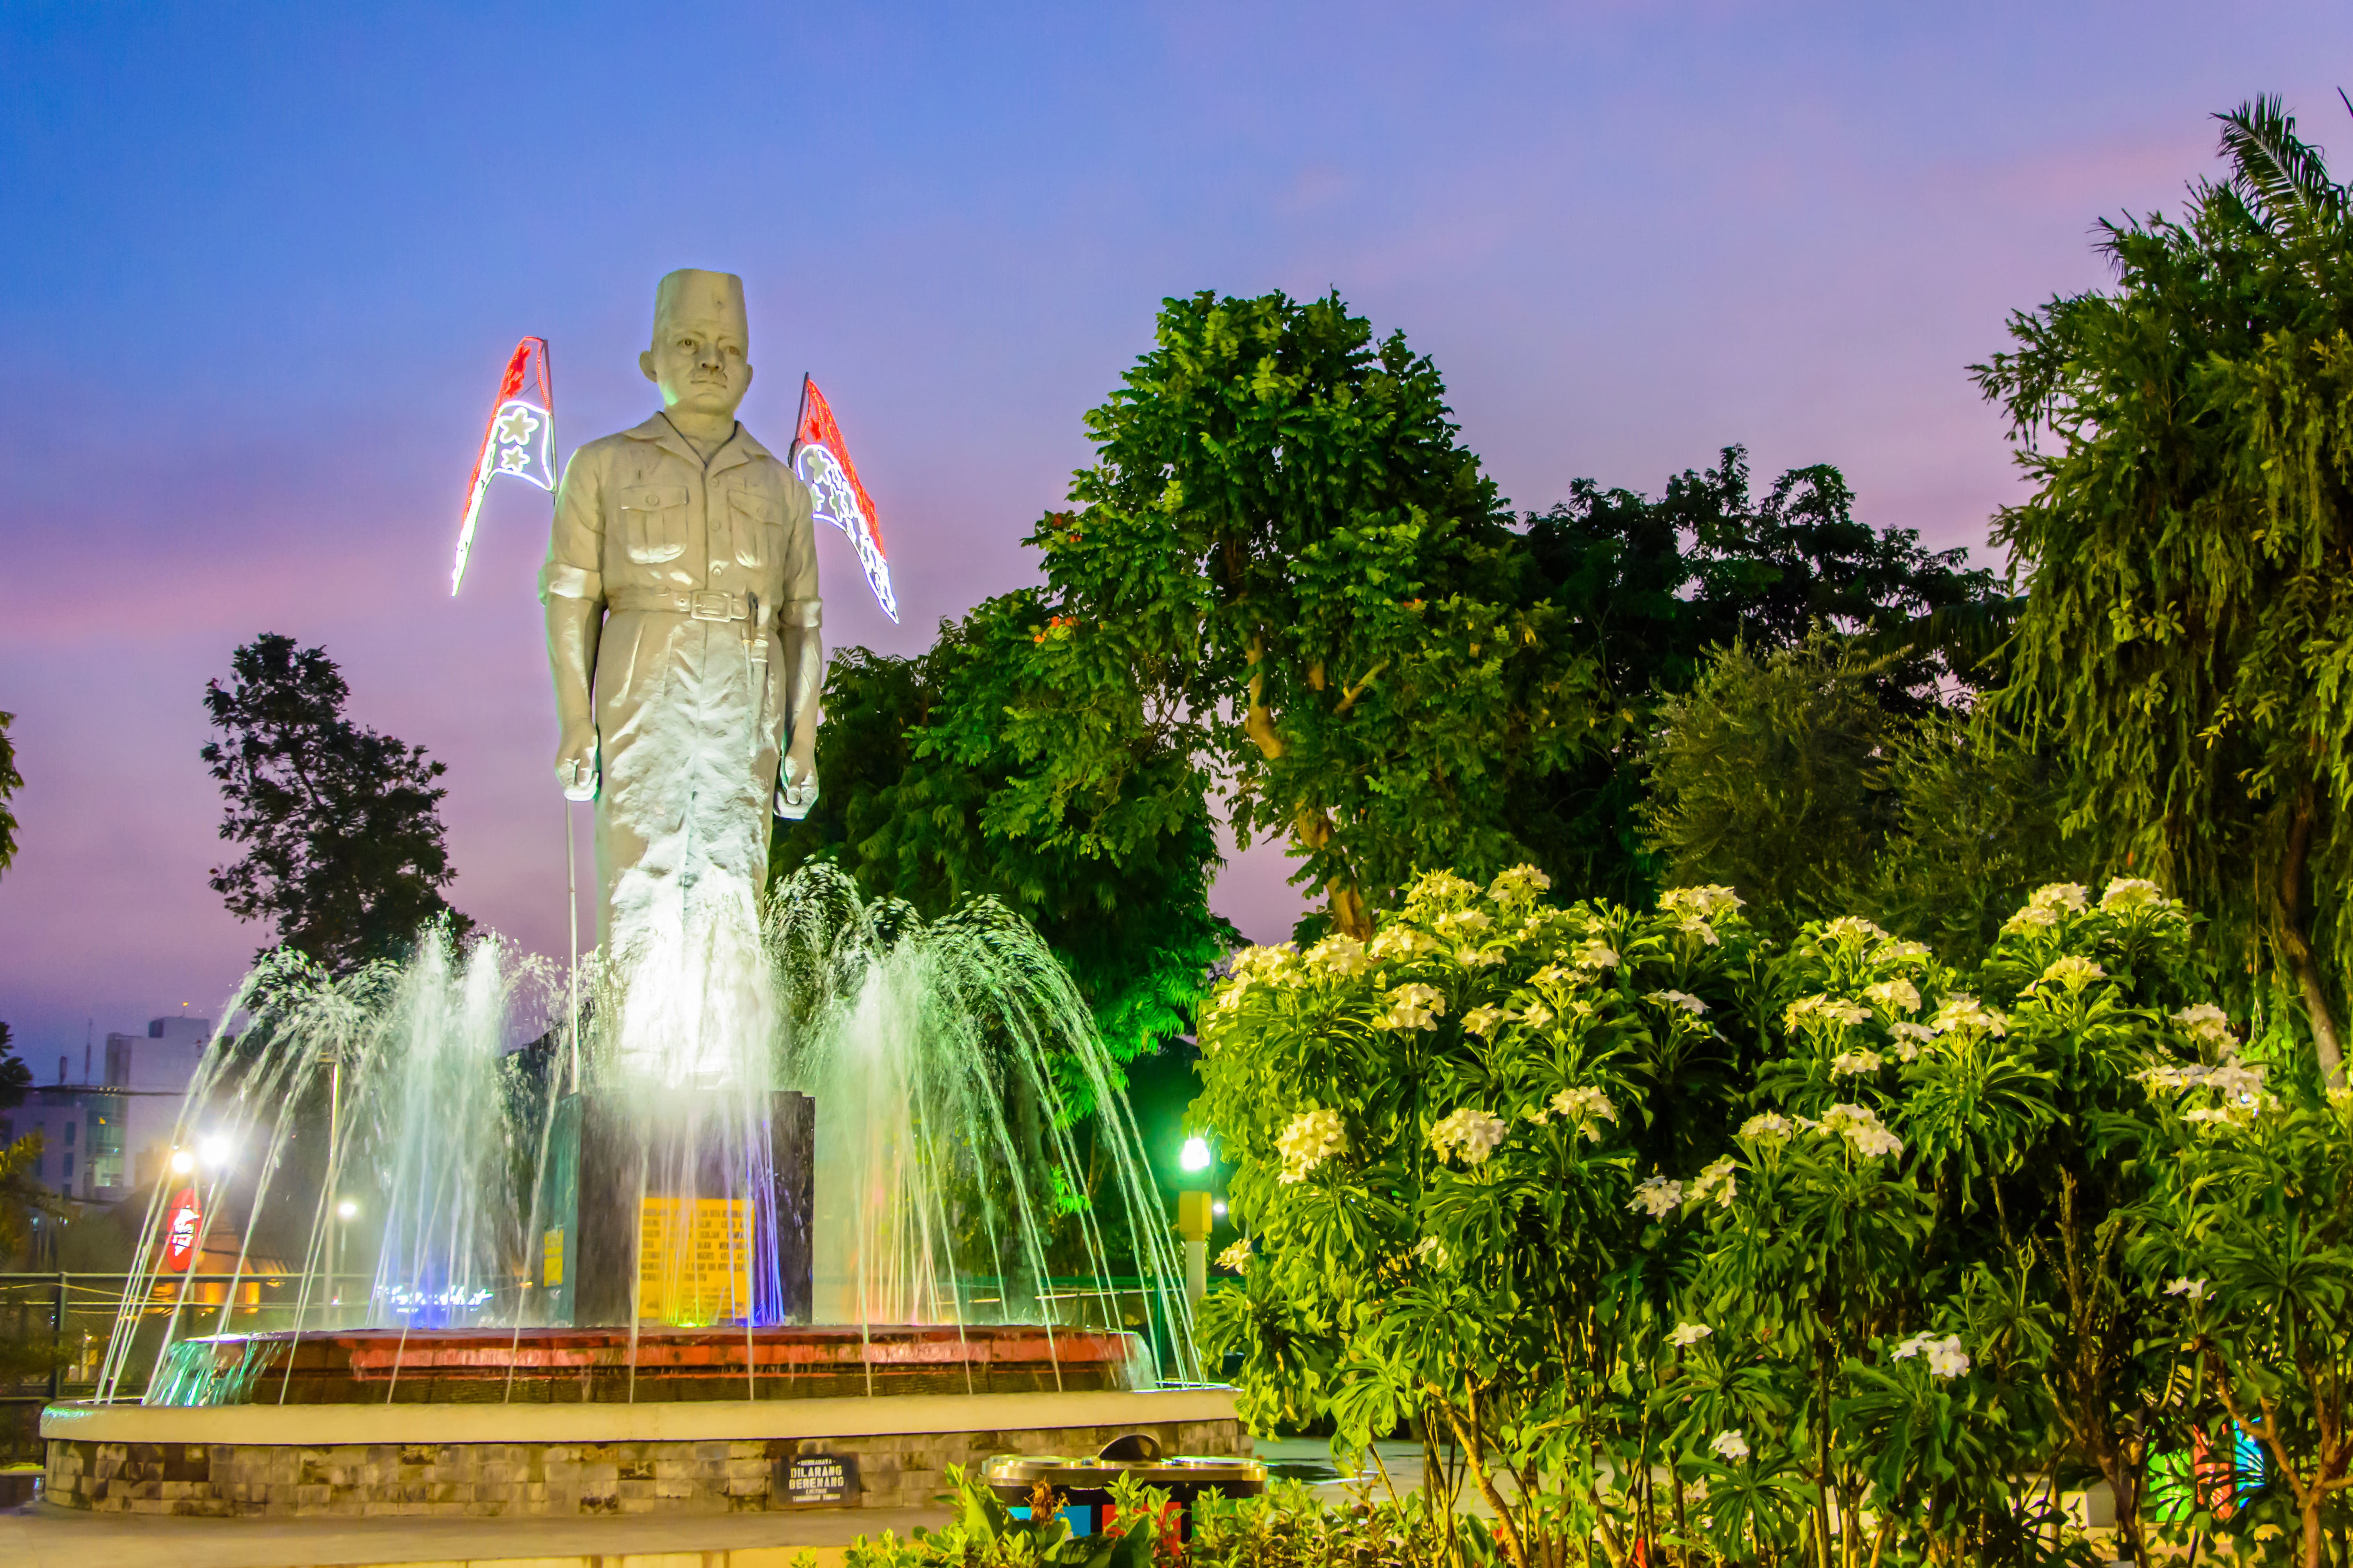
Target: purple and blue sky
{"points": [[260, 264]]}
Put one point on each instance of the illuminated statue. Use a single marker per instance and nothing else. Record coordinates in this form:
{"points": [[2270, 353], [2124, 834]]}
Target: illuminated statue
{"points": [[682, 629]]}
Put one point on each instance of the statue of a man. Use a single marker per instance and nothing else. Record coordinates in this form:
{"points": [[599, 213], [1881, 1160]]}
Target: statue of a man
{"points": [[683, 617]]}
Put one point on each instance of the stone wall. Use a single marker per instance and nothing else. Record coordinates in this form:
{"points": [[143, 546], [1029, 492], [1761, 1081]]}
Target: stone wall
{"points": [[569, 1479]]}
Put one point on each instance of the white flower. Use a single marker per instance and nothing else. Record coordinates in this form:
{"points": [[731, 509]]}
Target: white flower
{"points": [[2133, 893], [1537, 1016], [1688, 1335], [2031, 919], [1472, 1134], [1692, 925], [1430, 1246], [2206, 1024], [1519, 882], [1473, 920], [1412, 1007], [1854, 1064], [1340, 956], [1945, 1356], [1860, 1127], [1658, 1197], [1682, 999], [1473, 957], [2195, 1290], [1894, 995], [1900, 953], [1765, 1124], [1481, 1021], [1851, 928], [1440, 888], [2071, 896], [1830, 1010], [1904, 1030], [1402, 941], [1962, 1011], [1237, 1256], [1313, 1137], [1731, 1447], [2073, 972], [1716, 1179], [1588, 1107], [1593, 953], [1707, 902]]}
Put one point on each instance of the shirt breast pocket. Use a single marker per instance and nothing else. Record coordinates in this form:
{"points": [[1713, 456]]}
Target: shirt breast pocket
{"points": [[653, 523], [759, 525]]}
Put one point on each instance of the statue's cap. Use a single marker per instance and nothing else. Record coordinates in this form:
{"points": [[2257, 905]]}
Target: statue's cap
{"points": [[691, 294]]}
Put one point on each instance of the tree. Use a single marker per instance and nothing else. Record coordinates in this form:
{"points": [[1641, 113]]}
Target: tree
{"points": [[1282, 547], [937, 790], [2187, 636], [11, 780], [1653, 588], [340, 825]]}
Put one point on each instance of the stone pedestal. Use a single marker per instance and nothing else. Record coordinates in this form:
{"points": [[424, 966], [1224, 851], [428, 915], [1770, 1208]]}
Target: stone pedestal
{"points": [[690, 1210]]}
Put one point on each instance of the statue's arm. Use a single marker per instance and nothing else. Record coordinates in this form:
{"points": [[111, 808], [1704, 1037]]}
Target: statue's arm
{"points": [[800, 630], [572, 586]]}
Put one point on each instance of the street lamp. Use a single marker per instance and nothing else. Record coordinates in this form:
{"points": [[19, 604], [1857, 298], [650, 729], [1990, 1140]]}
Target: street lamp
{"points": [[1195, 1156], [183, 1162]]}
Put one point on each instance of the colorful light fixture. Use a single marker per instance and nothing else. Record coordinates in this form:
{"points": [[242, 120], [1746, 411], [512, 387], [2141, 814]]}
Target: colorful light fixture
{"points": [[520, 438], [822, 461]]}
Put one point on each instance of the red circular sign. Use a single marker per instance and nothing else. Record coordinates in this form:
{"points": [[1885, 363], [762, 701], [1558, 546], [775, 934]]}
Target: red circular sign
{"points": [[184, 1230]]}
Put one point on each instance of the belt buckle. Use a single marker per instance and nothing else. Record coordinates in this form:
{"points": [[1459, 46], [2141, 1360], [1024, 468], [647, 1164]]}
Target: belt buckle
{"points": [[712, 605]]}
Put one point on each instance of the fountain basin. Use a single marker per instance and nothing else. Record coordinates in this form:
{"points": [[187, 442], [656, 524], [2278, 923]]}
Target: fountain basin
{"points": [[572, 1366], [692, 1456]]}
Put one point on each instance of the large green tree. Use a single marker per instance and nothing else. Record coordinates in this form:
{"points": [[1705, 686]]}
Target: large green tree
{"points": [[1652, 589], [944, 781], [340, 827], [2187, 636], [1283, 550]]}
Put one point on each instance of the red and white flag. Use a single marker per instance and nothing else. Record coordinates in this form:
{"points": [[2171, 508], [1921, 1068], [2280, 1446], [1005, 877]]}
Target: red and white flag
{"points": [[823, 463], [520, 438]]}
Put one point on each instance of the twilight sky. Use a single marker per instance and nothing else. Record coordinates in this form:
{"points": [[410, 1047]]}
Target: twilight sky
{"points": [[260, 264]]}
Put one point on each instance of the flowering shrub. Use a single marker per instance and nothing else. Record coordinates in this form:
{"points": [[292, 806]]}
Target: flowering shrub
{"points": [[1776, 1254]]}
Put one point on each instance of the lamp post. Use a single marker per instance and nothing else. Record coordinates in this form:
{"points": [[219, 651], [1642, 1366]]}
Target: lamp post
{"points": [[1195, 1216]]}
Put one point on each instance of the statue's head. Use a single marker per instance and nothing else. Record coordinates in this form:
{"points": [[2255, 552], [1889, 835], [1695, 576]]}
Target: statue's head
{"points": [[698, 357]]}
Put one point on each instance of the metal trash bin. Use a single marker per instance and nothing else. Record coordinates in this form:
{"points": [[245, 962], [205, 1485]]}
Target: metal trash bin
{"points": [[1085, 1484]]}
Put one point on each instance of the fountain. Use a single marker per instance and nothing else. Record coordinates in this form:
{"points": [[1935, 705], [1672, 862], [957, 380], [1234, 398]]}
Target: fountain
{"points": [[911, 1227]]}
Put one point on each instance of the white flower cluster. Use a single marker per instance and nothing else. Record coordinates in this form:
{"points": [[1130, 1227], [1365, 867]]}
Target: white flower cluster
{"points": [[1472, 1134], [1237, 1256], [2193, 1290], [1731, 1447], [1481, 1021], [1768, 1124], [1688, 1335], [1854, 1064], [1820, 1007], [1682, 999], [1313, 1137], [2133, 893], [2073, 972], [1430, 1246], [1478, 923], [1401, 942], [1853, 928], [2206, 1024], [1412, 1007], [2046, 904], [1593, 953], [1901, 953], [1440, 888], [1519, 884], [1707, 902], [1252, 966], [1894, 995], [1657, 1196], [1337, 956], [1945, 1356], [1692, 925], [1715, 1180], [1586, 1107], [1963, 1011], [1863, 1130]]}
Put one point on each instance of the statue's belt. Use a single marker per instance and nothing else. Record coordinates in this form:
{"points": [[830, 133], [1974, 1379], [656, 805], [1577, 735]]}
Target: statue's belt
{"points": [[710, 605]]}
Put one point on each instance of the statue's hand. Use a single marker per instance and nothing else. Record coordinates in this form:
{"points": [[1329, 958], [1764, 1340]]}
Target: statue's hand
{"points": [[575, 761], [799, 790]]}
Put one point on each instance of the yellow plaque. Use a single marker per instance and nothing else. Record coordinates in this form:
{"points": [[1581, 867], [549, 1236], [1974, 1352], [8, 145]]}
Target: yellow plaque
{"points": [[694, 1260], [551, 1257]]}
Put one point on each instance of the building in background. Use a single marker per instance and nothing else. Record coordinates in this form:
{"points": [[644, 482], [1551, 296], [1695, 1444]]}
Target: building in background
{"points": [[148, 1074], [81, 1129]]}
